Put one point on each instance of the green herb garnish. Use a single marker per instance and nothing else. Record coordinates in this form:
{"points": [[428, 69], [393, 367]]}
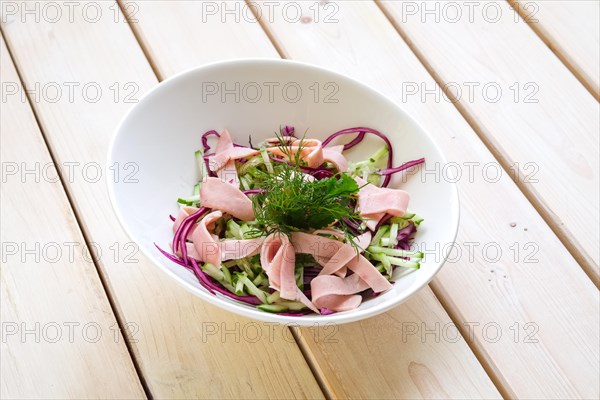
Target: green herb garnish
{"points": [[292, 202]]}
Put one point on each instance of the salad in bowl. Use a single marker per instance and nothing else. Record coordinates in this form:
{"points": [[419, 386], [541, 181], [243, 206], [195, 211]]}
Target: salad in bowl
{"points": [[292, 227], [302, 205]]}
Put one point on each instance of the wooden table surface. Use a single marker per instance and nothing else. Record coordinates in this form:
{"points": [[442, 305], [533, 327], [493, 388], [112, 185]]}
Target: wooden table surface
{"points": [[510, 92]]}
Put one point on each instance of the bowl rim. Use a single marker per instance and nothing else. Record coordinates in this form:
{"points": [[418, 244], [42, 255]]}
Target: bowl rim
{"points": [[238, 308]]}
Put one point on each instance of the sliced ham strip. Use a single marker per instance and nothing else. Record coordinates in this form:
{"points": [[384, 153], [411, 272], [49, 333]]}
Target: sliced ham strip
{"points": [[323, 248], [184, 212], [375, 201], [337, 294], [368, 273], [339, 260], [230, 249], [233, 153], [312, 151], [278, 259], [235, 249], [223, 161], [318, 246], [363, 241], [229, 174], [334, 155], [206, 246], [220, 195]]}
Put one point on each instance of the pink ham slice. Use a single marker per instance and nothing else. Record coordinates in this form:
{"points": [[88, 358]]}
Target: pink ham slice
{"points": [[312, 151], [223, 161], [339, 255], [368, 273], [337, 294], [206, 246], [220, 195], [337, 262], [278, 259], [236, 249], [374, 202], [226, 152], [334, 155], [229, 249]]}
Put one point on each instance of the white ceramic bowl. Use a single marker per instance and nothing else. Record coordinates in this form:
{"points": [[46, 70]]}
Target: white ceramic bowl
{"points": [[254, 97]]}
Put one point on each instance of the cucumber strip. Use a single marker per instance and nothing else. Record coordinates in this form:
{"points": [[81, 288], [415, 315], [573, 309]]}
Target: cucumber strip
{"points": [[273, 297], [190, 199], [239, 284], [260, 278], [233, 230], [379, 234], [403, 263], [300, 278], [245, 183], [417, 220], [202, 172], [218, 275], [252, 289], [197, 190], [395, 252], [393, 235], [274, 308], [291, 305], [251, 163], [245, 265], [226, 274], [385, 241], [387, 265], [366, 169], [265, 157], [245, 228]]}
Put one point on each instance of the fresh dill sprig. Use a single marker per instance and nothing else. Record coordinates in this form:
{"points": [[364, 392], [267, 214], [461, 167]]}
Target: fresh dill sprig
{"points": [[291, 202]]}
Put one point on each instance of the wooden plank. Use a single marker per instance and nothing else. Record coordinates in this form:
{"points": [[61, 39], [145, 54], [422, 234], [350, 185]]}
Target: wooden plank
{"points": [[545, 125], [60, 338], [201, 23], [572, 30], [390, 367], [545, 293], [185, 348]]}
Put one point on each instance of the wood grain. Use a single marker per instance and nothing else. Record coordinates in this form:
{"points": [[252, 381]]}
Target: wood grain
{"points": [[60, 338], [572, 31], [185, 348], [545, 124], [390, 367], [542, 294]]}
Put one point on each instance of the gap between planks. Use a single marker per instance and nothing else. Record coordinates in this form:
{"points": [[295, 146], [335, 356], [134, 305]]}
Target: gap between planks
{"points": [[586, 264], [562, 57], [103, 281]]}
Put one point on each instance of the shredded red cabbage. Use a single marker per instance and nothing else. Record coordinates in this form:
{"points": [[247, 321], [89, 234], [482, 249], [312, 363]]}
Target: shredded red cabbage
{"points": [[360, 130], [205, 139], [406, 165], [253, 191], [405, 236], [288, 130], [382, 221], [190, 220]]}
